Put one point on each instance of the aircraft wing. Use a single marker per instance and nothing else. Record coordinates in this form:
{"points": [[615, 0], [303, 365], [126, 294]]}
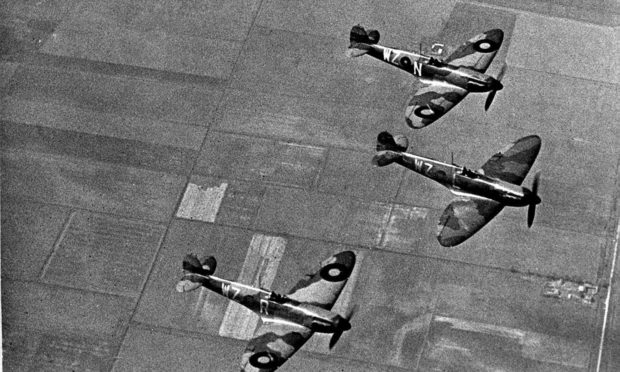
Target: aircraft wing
{"points": [[323, 287], [513, 162], [431, 102], [273, 343], [478, 52], [464, 217]]}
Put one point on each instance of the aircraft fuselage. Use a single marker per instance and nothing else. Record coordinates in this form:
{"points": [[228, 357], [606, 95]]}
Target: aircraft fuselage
{"points": [[462, 181], [431, 69], [271, 306]]}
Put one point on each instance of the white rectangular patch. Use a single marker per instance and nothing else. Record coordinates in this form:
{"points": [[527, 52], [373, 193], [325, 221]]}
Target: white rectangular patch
{"points": [[535, 346], [259, 270], [201, 204]]}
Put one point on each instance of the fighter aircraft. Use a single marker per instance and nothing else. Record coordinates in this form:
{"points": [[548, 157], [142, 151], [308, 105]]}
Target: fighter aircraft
{"points": [[481, 194], [444, 82], [289, 320]]}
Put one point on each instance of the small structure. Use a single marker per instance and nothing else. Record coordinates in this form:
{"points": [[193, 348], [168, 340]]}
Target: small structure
{"points": [[583, 292]]}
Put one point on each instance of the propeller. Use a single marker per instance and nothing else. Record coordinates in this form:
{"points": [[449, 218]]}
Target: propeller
{"points": [[498, 86], [343, 325], [531, 210]]}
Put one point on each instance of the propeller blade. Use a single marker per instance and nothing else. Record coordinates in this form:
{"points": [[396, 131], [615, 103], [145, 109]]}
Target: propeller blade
{"points": [[489, 100], [334, 339], [501, 73], [535, 183], [352, 310], [492, 94], [531, 212]]}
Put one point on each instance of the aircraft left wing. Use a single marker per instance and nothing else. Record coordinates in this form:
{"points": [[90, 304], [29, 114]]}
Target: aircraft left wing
{"points": [[323, 287], [431, 102], [273, 343], [513, 162], [478, 52], [464, 217]]}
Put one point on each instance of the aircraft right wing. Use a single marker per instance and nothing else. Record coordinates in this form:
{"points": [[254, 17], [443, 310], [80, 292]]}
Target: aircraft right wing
{"points": [[478, 52], [431, 102], [513, 162], [464, 217], [323, 287]]}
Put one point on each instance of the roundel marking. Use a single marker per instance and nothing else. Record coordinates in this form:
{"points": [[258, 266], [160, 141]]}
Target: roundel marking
{"points": [[485, 46], [334, 272], [263, 359], [425, 112], [405, 62]]}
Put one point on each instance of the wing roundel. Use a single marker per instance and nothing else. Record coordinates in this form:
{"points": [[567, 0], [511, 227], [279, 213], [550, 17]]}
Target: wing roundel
{"points": [[430, 102], [272, 345], [478, 52], [323, 287]]}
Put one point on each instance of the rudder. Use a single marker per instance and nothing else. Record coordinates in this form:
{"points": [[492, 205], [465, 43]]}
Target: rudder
{"points": [[398, 143], [205, 266], [389, 148], [361, 40], [192, 265]]}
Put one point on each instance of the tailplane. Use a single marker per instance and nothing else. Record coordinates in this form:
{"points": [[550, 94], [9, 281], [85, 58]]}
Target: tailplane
{"points": [[389, 148], [361, 39], [196, 271]]}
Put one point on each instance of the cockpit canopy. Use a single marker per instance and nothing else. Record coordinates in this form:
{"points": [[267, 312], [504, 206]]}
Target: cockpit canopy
{"points": [[468, 172], [276, 297]]}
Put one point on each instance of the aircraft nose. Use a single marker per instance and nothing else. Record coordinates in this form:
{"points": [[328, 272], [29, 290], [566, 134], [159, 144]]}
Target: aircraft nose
{"points": [[532, 198], [343, 324], [496, 85]]}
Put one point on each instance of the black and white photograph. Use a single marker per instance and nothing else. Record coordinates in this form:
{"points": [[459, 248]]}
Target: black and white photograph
{"points": [[301, 186]]}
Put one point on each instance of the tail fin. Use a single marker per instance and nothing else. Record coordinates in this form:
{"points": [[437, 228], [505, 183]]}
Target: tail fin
{"points": [[192, 265], [398, 143], [203, 267], [390, 148], [361, 39]]}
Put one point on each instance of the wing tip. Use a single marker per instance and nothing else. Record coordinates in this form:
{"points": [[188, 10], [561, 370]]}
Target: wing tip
{"points": [[533, 141], [450, 241], [496, 35], [346, 258], [447, 236]]}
